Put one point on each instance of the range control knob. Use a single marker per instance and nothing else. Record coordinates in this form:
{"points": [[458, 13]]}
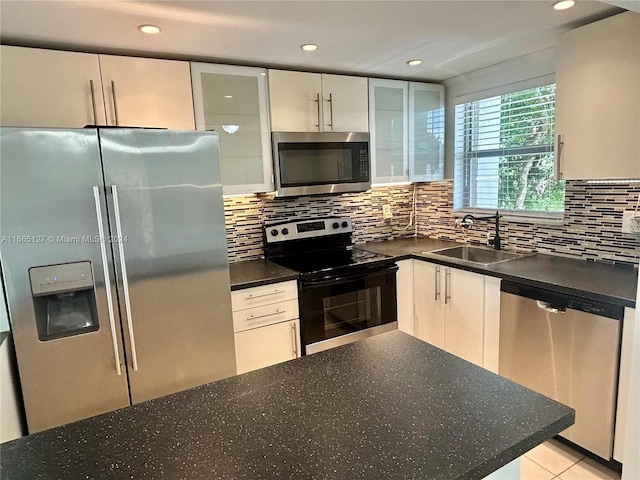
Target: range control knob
{"points": [[336, 225], [274, 232], [285, 231], [344, 224]]}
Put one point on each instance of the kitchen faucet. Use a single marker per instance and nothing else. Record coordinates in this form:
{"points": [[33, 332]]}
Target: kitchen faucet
{"points": [[468, 219]]}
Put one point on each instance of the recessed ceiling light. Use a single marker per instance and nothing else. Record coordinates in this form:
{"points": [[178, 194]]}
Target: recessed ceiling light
{"points": [[413, 63], [150, 29], [309, 47], [564, 4], [228, 96]]}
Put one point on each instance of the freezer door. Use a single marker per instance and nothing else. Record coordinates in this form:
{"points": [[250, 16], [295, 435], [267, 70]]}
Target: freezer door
{"points": [[166, 209], [49, 217]]}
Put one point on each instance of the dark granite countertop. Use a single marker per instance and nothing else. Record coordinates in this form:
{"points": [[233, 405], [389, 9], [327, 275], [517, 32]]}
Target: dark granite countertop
{"points": [[253, 273], [602, 281], [390, 406]]}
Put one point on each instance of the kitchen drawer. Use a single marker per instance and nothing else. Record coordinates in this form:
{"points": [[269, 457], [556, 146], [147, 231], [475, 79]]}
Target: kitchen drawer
{"points": [[264, 315], [261, 347], [264, 295]]}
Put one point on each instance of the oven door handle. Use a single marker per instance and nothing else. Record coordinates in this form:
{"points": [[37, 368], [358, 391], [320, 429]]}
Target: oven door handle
{"points": [[336, 279]]}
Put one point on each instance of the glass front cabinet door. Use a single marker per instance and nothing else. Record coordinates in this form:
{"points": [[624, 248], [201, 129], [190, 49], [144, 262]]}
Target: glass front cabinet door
{"points": [[426, 132], [232, 101], [407, 131], [388, 131]]}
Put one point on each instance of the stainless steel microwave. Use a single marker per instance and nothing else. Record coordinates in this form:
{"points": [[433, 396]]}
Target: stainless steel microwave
{"points": [[312, 163]]}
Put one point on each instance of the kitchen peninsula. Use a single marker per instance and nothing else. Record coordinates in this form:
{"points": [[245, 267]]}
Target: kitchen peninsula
{"points": [[390, 406]]}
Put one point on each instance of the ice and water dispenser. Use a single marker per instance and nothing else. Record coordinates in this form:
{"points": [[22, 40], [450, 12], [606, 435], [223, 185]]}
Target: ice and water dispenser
{"points": [[64, 300]]}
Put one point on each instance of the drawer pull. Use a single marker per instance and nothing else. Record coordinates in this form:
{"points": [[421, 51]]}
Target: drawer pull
{"points": [[294, 331], [258, 295], [277, 312]]}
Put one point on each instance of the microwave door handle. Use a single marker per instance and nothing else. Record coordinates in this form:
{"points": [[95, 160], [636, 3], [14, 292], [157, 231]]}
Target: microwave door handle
{"points": [[336, 279]]}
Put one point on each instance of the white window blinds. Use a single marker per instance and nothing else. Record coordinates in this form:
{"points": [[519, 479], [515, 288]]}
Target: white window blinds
{"points": [[504, 155]]}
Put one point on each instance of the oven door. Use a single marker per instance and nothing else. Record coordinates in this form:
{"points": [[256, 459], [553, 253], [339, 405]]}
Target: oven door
{"points": [[342, 309]]}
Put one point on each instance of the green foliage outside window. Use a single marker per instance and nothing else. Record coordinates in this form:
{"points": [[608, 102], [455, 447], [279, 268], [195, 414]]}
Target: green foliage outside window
{"points": [[526, 181]]}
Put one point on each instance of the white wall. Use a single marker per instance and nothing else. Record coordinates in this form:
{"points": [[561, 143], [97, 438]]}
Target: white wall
{"points": [[520, 73]]}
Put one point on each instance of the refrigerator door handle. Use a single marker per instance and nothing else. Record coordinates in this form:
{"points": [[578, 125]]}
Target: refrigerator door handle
{"points": [[125, 279], [107, 280]]}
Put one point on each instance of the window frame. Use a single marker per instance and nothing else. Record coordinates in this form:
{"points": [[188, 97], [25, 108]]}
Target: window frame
{"points": [[528, 216]]}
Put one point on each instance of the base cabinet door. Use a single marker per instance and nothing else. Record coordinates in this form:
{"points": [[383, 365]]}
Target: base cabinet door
{"points": [[49, 88], [449, 309], [404, 279], [264, 346], [429, 307], [464, 314]]}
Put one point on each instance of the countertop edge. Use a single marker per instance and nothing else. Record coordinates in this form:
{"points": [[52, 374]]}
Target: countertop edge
{"points": [[264, 281]]}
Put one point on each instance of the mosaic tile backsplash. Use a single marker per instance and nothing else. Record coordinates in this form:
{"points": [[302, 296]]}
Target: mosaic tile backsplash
{"points": [[590, 229], [246, 215]]}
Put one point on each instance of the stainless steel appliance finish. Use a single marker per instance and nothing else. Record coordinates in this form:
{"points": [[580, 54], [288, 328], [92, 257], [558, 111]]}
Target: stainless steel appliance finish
{"points": [[566, 348], [312, 163], [144, 209], [345, 294]]}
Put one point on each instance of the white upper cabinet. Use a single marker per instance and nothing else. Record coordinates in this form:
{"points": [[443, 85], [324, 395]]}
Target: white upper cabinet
{"points": [[314, 102], [345, 103], [147, 92], [407, 131], [233, 102], [426, 132], [598, 100], [49, 88], [388, 103]]}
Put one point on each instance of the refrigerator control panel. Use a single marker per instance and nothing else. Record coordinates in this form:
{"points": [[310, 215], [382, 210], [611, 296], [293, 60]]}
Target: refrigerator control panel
{"points": [[60, 278]]}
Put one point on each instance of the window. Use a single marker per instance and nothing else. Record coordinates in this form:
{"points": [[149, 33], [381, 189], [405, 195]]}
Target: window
{"points": [[504, 157]]}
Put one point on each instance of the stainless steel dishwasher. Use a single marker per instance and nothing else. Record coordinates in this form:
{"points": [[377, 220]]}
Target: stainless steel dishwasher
{"points": [[566, 348]]}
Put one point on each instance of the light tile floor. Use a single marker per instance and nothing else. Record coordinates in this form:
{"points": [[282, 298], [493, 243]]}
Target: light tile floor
{"points": [[554, 460]]}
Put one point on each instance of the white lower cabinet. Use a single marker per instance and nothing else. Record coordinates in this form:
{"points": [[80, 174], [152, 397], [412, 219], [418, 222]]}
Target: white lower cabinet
{"points": [[449, 309], [266, 325], [404, 287], [264, 346]]}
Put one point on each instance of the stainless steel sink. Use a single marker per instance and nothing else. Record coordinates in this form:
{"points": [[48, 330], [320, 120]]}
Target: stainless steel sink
{"points": [[477, 255]]}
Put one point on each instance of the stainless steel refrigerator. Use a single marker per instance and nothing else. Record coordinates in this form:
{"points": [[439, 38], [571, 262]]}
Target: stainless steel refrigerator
{"points": [[114, 260]]}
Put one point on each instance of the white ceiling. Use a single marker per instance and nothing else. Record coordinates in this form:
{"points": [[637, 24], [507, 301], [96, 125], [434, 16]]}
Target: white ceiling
{"points": [[373, 38]]}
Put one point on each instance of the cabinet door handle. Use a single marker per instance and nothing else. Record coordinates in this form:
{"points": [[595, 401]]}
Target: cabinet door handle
{"points": [[107, 280], [258, 295], [447, 286], [437, 285], [294, 331], [558, 172], [93, 102], [318, 110], [115, 103], [330, 124], [254, 317]]}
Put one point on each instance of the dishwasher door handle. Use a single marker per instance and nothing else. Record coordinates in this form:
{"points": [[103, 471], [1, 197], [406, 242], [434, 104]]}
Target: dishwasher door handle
{"points": [[548, 308]]}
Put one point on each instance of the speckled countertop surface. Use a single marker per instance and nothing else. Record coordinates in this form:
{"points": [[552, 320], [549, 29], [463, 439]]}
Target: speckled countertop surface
{"points": [[253, 273], [390, 406], [601, 281]]}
